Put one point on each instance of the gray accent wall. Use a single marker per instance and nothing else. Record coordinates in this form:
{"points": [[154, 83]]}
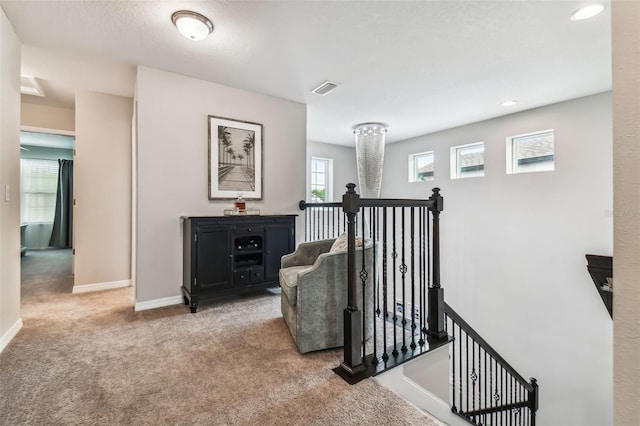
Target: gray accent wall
{"points": [[513, 249], [172, 167]]}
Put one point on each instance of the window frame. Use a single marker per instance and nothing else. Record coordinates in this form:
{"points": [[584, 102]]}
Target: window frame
{"points": [[413, 169], [328, 179], [53, 167], [511, 158], [456, 172]]}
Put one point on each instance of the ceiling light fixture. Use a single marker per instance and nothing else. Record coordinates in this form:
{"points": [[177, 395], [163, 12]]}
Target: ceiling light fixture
{"points": [[370, 139], [510, 102], [587, 12], [192, 25]]}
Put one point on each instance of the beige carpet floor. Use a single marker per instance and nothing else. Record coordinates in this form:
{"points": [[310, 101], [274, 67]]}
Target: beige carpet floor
{"points": [[89, 359]]}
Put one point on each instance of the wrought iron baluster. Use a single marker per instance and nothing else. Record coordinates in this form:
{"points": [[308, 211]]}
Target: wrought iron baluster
{"points": [[474, 375], [453, 364], [460, 366], [375, 308], [466, 355], [413, 281], [363, 279], [421, 342], [403, 271], [394, 256], [385, 304], [485, 385]]}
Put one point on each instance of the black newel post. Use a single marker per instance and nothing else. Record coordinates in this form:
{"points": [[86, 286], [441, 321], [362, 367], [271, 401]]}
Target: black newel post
{"points": [[436, 293], [533, 401], [352, 317]]}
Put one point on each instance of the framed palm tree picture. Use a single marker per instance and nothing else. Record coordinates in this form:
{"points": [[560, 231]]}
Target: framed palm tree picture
{"points": [[235, 159]]}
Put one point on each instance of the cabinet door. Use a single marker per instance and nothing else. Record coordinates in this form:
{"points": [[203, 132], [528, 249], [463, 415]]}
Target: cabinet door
{"points": [[213, 263], [279, 240]]}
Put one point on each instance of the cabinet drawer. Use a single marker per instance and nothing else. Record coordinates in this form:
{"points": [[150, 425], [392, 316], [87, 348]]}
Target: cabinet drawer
{"points": [[248, 276], [248, 230]]}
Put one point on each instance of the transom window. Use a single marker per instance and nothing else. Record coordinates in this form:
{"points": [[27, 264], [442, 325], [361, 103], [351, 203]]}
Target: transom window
{"points": [[467, 160], [321, 179], [531, 152], [421, 166]]}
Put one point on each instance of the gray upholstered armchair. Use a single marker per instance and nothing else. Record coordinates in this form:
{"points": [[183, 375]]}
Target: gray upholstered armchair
{"points": [[314, 293]]}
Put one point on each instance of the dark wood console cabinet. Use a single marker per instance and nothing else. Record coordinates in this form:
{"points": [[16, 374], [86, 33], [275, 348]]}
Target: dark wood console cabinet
{"points": [[228, 255]]}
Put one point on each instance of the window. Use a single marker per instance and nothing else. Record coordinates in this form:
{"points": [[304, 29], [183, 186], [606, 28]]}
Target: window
{"points": [[532, 152], [321, 179], [421, 166], [38, 189], [467, 160]]}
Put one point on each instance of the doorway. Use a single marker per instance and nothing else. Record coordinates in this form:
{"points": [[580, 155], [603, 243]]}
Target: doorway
{"points": [[46, 212]]}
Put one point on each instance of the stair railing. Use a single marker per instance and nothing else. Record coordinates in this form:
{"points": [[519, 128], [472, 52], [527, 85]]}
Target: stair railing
{"points": [[396, 310], [486, 389], [323, 221]]}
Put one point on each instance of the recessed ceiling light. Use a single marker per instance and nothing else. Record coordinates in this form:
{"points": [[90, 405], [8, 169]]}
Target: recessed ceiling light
{"points": [[192, 25], [587, 12], [510, 102]]}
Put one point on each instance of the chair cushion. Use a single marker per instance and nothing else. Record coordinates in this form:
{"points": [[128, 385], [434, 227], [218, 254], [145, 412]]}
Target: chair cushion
{"points": [[289, 281], [341, 243]]}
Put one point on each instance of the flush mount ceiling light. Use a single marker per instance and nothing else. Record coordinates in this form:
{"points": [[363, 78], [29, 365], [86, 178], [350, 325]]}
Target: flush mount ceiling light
{"points": [[587, 12], [370, 129], [192, 25]]}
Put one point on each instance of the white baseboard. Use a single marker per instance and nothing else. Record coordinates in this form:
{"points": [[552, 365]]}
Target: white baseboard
{"points": [[158, 303], [10, 334], [396, 381], [100, 286]]}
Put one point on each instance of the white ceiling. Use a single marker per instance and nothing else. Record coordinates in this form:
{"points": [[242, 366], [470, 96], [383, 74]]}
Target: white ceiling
{"points": [[421, 66]]}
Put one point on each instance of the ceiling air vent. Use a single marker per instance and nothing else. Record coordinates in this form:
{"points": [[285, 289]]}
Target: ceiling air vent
{"points": [[29, 86], [325, 88]]}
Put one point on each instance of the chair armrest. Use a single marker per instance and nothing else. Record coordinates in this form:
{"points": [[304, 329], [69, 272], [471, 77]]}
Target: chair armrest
{"points": [[306, 253]]}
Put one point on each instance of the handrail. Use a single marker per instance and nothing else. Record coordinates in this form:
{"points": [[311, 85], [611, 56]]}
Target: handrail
{"points": [[374, 202], [304, 205], [486, 346], [396, 202]]}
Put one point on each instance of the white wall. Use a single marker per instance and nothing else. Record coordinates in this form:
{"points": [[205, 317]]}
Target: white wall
{"points": [[626, 151], [10, 321], [172, 144], [344, 166], [513, 250], [102, 189], [46, 116]]}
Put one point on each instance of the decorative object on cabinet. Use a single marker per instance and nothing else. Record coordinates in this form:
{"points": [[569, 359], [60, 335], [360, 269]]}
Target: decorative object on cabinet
{"points": [[229, 255], [235, 159]]}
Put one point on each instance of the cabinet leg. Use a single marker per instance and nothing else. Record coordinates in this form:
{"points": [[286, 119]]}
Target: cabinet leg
{"points": [[186, 301], [194, 304]]}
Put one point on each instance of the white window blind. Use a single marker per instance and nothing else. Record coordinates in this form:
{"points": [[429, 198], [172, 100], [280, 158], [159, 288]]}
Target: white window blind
{"points": [[38, 189]]}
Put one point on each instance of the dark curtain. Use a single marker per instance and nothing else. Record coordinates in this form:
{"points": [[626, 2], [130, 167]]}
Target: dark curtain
{"points": [[61, 235]]}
